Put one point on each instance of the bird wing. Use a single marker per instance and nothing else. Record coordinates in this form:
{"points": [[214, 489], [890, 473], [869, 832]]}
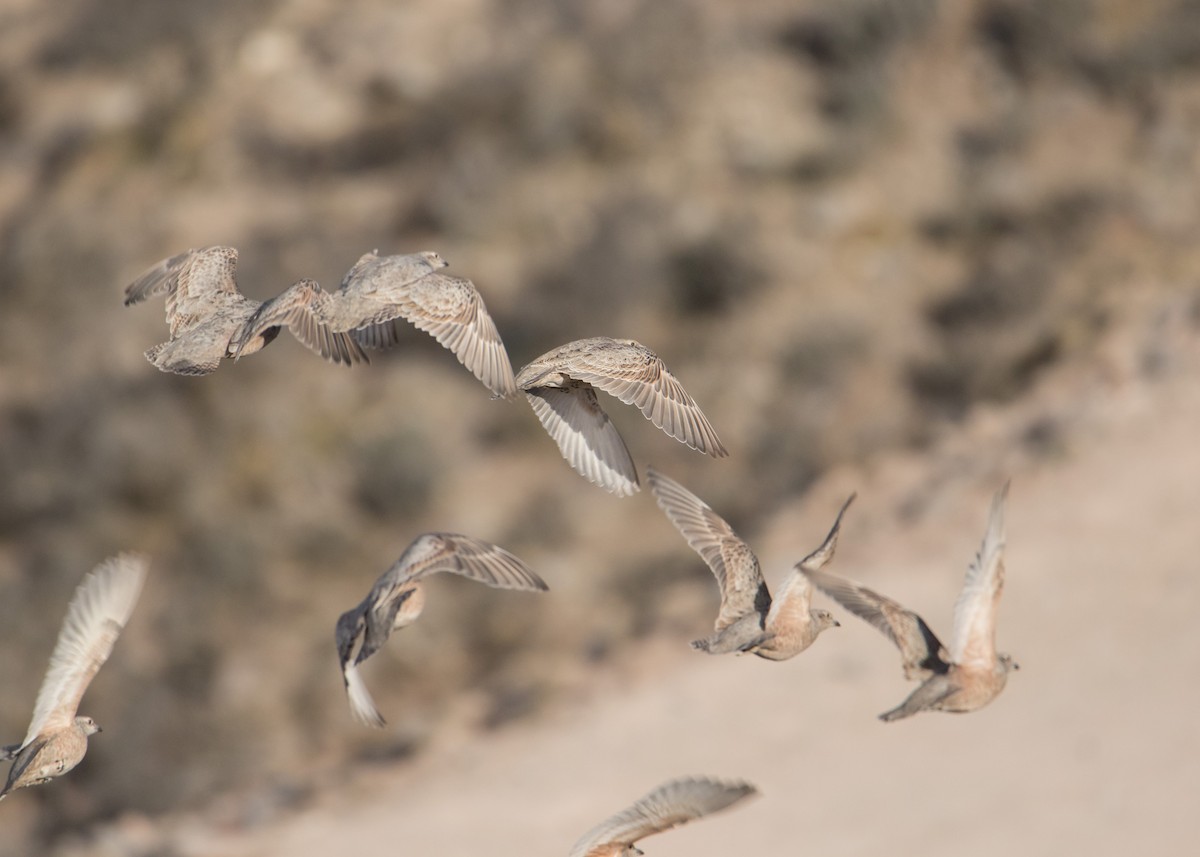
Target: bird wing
{"points": [[483, 561], [795, 596], [301, 308], [637, 376], [156, 280], [585, 435], [670, 805], [974, 638], [97, 613], [733, 563], [452, 311], [919, 647], [195, 283]]}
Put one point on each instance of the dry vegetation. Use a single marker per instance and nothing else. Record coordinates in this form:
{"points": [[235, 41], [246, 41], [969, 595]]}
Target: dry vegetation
{"points": [[844, 225]]}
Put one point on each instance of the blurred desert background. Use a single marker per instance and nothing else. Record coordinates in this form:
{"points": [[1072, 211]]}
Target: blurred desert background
{"points": [[906, 248]]}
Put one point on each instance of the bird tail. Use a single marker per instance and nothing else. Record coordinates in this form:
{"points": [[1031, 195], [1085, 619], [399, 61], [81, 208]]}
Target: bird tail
{"points": [[362, 706]]}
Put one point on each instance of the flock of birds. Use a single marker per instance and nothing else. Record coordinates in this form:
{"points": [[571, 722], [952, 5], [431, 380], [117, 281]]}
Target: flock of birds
{"points": [[210, 320]]}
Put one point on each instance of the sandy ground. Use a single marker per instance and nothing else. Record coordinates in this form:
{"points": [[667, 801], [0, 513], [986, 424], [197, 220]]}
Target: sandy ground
{"points": [[1091, 749]]}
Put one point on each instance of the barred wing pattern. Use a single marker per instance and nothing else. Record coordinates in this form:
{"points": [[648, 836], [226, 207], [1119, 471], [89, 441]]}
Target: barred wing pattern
{"points": [[670, 805], [637, 376], [586, 436], [301, 309], [733, 563], [452, 311]]}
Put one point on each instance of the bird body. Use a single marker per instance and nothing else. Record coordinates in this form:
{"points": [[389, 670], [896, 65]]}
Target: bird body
{"points": [[561, 388], [57, 737], [397, 599], [969, 673], [205, 310], [749, 620]]}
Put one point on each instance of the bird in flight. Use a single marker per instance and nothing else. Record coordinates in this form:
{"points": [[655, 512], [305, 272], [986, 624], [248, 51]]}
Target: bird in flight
{"points": [[57, 738], [749, 619], [970, 673], [378, 291], [561, 387], [205, 310], [398, 598], [670, 805]]}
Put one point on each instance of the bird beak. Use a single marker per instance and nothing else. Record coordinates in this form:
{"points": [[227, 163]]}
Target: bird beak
{"points": [[836, 623]]}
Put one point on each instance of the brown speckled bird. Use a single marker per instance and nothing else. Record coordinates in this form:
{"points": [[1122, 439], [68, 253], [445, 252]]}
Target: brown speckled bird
{"points": [[670, 805], [205, 310], [377, 291], [968, 675], [397, 599], [749, 620], [561, 387], [57, 739]]}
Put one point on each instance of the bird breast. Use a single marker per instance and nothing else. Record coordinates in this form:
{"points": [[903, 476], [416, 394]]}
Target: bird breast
{"points": [[411, 608]]}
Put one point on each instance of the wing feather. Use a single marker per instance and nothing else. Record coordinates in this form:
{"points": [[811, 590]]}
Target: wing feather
{"points": [[585, 435], [637, 376], [670, 805], [920, 649], [733, 563], [476, 559], [974, 639], [452, 311], [98, 611]]}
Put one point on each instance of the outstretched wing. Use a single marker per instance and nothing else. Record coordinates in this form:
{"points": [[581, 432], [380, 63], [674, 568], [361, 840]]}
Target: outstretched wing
{"points": [[637, 376], [585, 435], [670, 805], [98, 611], [193, 283], [299, 308], [474, 558], [733, 563], [920, 649], [795, 596], [156, 280], [974, 639], [452, 311]]}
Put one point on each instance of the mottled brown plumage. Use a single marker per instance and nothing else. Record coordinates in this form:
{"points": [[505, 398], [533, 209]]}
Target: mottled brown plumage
{"points": [[205, 310], [56, 740], [749, 620], [670, 805], [561, 387], [378, 291], [969, 674], [397, 599]]}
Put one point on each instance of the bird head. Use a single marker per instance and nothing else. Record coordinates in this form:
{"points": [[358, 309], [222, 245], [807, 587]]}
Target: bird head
{"points": [[87, 725], [824, 619]]}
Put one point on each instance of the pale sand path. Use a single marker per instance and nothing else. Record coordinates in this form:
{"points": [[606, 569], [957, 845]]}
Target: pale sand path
{"points": [[1091, 750]]}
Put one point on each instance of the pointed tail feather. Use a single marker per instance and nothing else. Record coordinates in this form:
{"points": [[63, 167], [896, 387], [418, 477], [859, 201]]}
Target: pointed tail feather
{"points": [[362, 706]]}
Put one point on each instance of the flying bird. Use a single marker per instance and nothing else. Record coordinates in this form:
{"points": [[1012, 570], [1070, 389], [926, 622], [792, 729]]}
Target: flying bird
{"points": [[205, 309], [561, 387], [57, 738], [670, 805], [749, 620], [398, 597], [378, 291], [970, 673]]}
